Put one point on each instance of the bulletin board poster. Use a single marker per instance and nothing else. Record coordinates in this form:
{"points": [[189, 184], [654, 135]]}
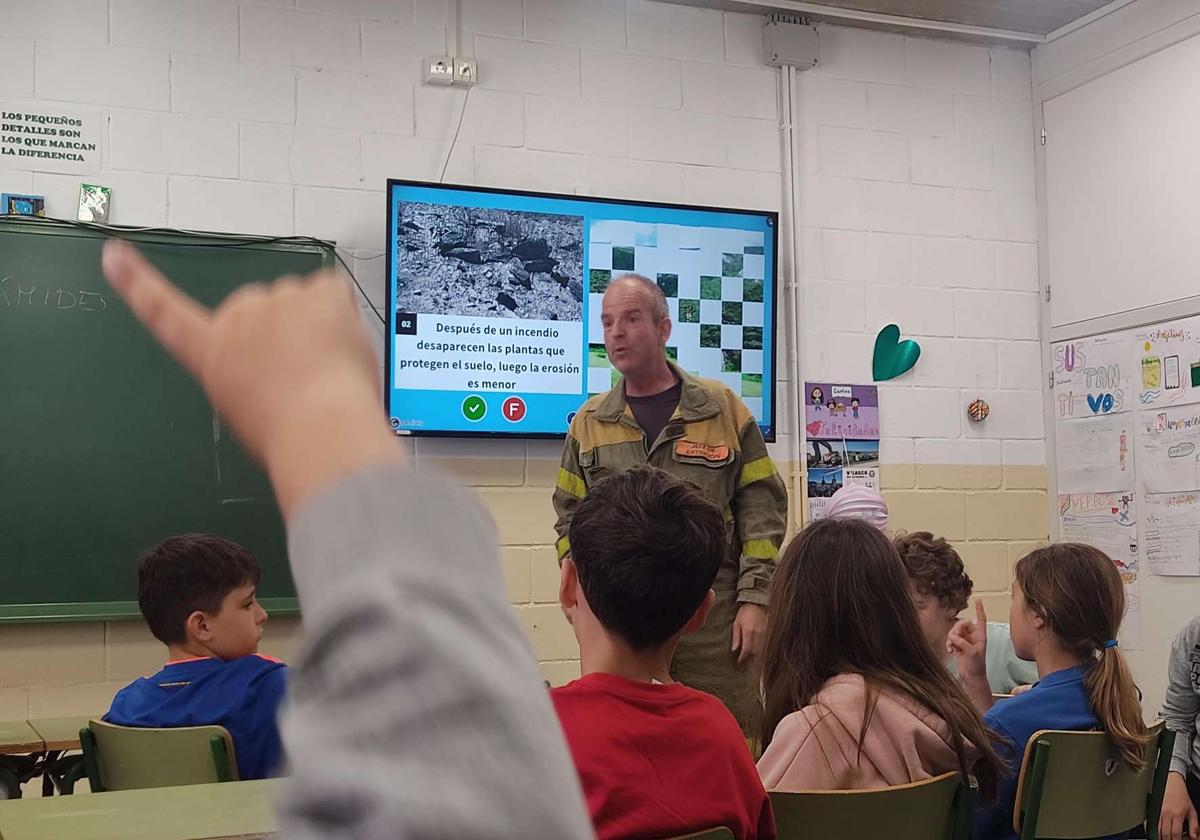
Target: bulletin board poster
{"points": [[1168, 458], [1168, 364], [842, 428], [1172, 533], [1093, 377], [1095, 455], [1109, 522]]}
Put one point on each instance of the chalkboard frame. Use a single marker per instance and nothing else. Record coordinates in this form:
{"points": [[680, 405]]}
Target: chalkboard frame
{"points": [[83, 611]]}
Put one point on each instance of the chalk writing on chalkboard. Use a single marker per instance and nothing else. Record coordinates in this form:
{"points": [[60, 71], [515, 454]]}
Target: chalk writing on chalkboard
{"points": [[14, 295]]}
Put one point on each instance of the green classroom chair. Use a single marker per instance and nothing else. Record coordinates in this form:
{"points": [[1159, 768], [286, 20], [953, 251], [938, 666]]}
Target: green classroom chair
{"points": [[1073, 785], [129, 758], [933, 809], [709, 834]]}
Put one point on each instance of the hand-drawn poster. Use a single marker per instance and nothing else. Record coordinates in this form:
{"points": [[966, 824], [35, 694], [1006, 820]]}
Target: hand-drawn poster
{"points": [[842, 429], [841, 412], [1172, 533], [1095, 454], [1168, 458], [1108, 521], [1092, 376], [1168, 361]]}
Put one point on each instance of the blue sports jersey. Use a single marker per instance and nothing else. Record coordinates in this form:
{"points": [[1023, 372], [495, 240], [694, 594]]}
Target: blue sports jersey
{"points": [[1057, 701], [243, 695]]}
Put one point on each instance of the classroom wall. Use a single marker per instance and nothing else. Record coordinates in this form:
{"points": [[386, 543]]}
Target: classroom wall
{"points": [[1133, 67], [286, 117], [919, 208]]}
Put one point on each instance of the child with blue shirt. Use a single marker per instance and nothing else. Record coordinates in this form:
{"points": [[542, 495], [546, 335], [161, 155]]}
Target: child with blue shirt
{"points": [[197, 594], [1067, 604]]}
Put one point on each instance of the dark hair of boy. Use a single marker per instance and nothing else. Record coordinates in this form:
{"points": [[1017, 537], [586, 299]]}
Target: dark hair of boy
{"points": [[186, 573], [646, 547], [935, 567], [841, 605]]}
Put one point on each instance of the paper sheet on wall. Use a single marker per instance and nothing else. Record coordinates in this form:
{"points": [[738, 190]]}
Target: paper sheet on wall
{"points": [[1167, 455], [1108, 521], [1093, 376], [1095, 454], [1172, 533], [1168, 363], [841, 424]]}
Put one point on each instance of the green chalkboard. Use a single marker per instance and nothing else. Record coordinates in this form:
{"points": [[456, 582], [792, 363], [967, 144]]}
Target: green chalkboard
{"points": [[106, 445]]}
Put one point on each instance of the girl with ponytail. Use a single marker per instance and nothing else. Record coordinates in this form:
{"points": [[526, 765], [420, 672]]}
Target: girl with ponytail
{"points": [[1067, 604]]}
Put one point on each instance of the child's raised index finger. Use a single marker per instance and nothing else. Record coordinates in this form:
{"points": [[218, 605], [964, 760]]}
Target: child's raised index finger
{"points": [[179, 324], [980, 613]]}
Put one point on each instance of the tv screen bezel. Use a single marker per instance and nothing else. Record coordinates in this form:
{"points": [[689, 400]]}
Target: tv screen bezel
{"points": [[772, 217]]}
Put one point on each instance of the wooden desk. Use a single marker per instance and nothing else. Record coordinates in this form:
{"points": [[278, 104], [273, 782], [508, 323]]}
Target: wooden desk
{"points": [[243, 810], [17, 737], [60, 733]]}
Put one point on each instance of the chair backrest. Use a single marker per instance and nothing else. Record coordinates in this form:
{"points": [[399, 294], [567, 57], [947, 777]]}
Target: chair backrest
{"points": [[934, 809], [128, 758], [1074, 785], [709, 834]]}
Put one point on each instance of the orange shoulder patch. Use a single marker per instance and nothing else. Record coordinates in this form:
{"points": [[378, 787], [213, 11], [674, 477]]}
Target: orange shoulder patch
{"points": [[707, 451]]}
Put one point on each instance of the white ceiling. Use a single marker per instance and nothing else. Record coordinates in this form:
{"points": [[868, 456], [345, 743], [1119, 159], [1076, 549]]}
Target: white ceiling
{"points": [[1028, 21]]}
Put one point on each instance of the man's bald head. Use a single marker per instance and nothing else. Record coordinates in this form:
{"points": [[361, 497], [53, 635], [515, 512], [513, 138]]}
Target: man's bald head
{"points": [[657, 308]]}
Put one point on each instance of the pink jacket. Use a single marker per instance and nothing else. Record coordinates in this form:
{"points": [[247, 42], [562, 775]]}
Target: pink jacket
{"points": [[816, 748]]}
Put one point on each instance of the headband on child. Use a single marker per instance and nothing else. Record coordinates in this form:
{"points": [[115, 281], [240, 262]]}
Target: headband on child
{"points": [[1109, 643]]}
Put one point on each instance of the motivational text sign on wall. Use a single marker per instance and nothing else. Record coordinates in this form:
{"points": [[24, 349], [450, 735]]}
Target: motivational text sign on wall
{"points": [[49, 138]]}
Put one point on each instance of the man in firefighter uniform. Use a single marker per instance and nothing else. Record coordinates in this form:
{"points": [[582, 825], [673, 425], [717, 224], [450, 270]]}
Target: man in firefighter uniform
{"points": [[697, 430]]}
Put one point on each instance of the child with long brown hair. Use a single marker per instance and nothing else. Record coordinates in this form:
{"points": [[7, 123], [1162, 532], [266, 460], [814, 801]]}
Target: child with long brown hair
{"points": [[854, 696], [1067, 604]]}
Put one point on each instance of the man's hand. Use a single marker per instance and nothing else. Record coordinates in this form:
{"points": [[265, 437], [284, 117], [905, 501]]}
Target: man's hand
{"points": [[749, 631], [288, 365], [1177, 821]]}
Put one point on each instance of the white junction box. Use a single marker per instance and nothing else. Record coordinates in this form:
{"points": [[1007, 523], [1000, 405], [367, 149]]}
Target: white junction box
{"points": [[786, 43]]}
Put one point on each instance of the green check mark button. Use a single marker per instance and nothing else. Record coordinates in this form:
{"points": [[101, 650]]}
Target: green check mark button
{"points": [[474, 408]]}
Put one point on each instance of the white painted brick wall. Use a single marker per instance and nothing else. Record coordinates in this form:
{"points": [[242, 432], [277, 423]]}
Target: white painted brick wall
{"points": [[711, 88], [659, 29], [342, 99], [632, 79], [204, 27], [585, 23], [300, 39], [173, 144], [286, 116], [120, 76], [17, 78], [918, 208], [70, 21], [213, 87], [572, 125], [528, 67]]}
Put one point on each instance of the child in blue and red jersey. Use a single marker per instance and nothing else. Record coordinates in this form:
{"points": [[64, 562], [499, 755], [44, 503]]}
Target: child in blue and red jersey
{"points": [[197, 594]]}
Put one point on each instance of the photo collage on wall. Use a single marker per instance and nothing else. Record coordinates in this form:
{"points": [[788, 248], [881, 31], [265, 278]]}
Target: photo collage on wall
{"points": [[842, 428]]}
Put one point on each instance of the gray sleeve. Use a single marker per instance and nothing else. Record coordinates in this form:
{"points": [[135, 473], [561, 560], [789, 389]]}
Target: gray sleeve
{"points": [[1181, 706], [415, 710]]}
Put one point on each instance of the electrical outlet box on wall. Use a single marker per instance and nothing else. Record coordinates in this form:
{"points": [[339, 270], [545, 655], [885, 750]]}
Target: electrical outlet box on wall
{"points": [[466, 72], [439, 70]]}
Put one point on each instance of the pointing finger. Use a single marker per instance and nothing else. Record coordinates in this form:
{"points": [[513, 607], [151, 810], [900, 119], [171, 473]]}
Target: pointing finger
{"points": [[980, 613], [179, 324]]}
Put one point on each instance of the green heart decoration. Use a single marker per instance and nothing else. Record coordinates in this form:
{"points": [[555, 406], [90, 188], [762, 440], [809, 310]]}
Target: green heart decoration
{"points": [[893, 357]]}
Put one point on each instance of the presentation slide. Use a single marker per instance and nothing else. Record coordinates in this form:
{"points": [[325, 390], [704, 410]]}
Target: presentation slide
{"points": [[494, 301]]}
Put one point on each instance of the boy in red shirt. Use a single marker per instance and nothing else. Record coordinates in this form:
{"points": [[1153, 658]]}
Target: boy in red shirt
{"points": [[655, 758]]}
